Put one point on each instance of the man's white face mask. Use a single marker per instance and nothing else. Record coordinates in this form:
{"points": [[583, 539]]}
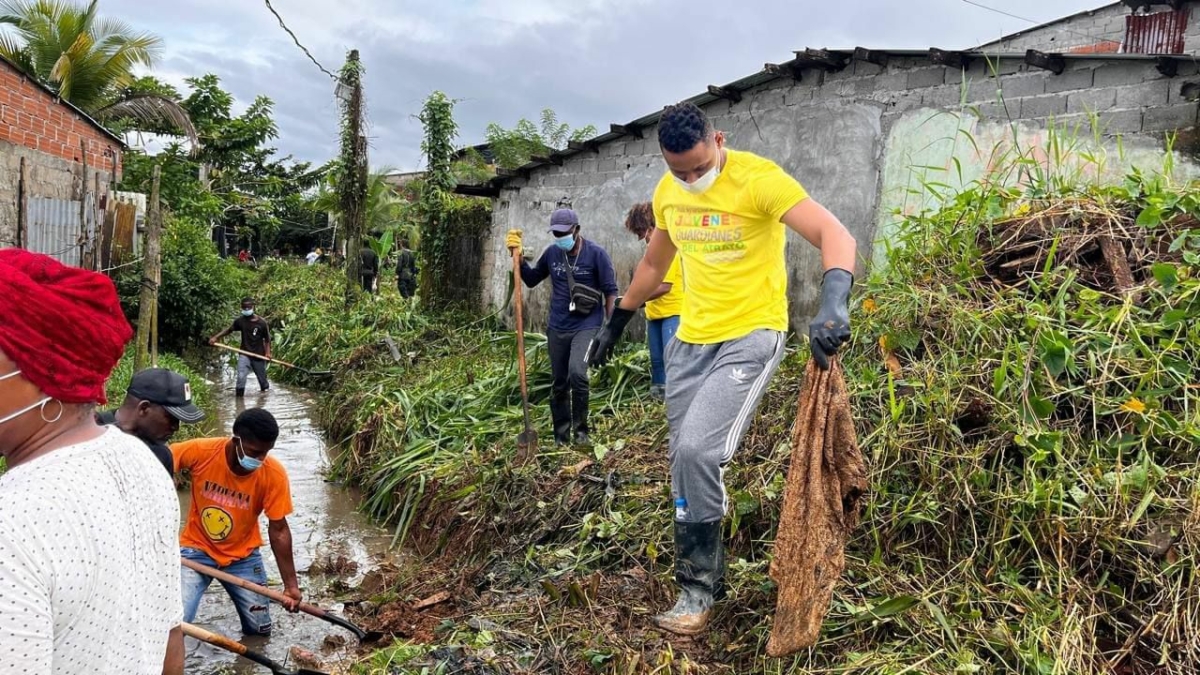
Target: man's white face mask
{"points": [[703, 183]]}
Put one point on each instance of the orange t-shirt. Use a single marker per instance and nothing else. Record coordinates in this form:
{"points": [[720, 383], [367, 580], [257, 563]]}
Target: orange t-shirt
{"points": [[223, 521]]}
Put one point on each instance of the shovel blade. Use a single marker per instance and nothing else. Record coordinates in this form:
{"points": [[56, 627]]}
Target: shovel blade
{"points": [[527, 446]]}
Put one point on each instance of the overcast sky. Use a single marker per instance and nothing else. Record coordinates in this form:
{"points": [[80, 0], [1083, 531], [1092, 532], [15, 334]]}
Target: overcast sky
{"points": [[592, 61]]}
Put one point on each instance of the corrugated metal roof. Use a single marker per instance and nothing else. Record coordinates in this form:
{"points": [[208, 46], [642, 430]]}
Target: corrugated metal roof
{"points": [[806, 60]]}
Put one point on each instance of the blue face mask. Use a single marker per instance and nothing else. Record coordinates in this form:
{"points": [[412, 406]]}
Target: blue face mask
{"points": [[247, 312], [565, 243], [248, 463]]}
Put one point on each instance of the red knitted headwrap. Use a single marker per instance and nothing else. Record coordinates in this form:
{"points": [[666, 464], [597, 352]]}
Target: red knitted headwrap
{"points": [[61, 325]]}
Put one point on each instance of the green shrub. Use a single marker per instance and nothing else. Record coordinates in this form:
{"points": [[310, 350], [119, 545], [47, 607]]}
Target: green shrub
{"points": [[199, 291]]}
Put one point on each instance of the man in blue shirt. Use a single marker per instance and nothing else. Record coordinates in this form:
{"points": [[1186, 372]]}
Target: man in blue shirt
{"points": [[583, 291]]}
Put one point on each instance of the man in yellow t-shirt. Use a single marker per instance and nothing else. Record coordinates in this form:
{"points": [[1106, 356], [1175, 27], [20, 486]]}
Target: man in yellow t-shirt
{"points": [[726, 214], [664, 305], [233, 482]]}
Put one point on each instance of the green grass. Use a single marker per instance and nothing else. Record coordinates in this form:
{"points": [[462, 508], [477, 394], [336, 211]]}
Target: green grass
{"points": [[1031, 453]]}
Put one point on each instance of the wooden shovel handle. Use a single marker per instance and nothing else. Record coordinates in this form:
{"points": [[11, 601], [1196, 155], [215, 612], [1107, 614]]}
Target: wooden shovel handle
{"points": [[250, 586], [517, 301], [213, 639], [243, 352]]}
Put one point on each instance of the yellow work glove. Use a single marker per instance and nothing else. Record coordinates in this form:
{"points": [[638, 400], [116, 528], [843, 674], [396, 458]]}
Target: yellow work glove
{"points": [[513, 241]]}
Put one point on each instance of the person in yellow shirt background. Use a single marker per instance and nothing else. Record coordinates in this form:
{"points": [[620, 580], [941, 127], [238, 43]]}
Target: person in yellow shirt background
{"points": [[726, 213], [664, 305]]}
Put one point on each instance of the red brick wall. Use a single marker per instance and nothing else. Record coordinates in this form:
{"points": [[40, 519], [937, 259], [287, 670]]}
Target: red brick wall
{"points": [[32, 118]]}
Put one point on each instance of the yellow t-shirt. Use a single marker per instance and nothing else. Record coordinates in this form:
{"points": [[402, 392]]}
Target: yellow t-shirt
{"points": [[731, 240], [670, 304]]}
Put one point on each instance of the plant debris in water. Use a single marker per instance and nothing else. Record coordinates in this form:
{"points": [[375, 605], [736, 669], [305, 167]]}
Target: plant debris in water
{"points": [[1024, 379]]}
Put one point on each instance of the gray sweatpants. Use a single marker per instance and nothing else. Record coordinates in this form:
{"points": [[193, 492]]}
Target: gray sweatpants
{"points": [[245, 365], [713, 392]]}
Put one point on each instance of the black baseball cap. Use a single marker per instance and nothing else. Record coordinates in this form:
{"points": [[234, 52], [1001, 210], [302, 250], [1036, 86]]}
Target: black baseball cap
{"points": [[168, 389], [563, 221]]}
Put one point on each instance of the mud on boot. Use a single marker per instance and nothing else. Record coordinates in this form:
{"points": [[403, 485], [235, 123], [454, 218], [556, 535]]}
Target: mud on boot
{"points": [[699, 571]]}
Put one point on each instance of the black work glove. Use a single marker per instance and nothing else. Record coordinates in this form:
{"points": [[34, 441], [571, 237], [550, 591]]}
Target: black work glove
{"points": [[601, 346], [831, 327]]}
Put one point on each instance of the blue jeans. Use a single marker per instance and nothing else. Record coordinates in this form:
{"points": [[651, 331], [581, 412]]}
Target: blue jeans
{"points": [[660, 332], [252, 608]]}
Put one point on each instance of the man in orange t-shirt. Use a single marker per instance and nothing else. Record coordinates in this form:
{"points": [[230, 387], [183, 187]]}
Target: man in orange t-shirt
{"points": [[233, 481]]}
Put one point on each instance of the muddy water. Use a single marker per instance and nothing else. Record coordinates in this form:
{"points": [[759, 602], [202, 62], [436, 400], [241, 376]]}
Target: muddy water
{"points": [[325, 522]]}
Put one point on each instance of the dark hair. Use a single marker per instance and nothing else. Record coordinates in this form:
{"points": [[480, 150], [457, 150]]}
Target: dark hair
{"points": [[256, 424], [403, 243], [682, 126], [247, 300], [640, 219]]}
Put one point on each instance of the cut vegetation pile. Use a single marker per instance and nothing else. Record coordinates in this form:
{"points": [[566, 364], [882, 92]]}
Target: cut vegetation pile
{"points": [[1024, 378]]}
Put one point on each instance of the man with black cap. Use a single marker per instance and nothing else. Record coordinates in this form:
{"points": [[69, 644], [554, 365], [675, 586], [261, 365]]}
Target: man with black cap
{"points": [[583, 291], [155, 403]]}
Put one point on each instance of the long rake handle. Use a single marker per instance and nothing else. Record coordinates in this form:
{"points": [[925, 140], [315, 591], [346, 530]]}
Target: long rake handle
{"points": [[272, 594], [517, 298], [256, 356], [231, 645]]}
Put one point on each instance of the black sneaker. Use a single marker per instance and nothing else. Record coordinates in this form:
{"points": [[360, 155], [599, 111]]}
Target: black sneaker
{"points": [[581, 438], [561, 441]]}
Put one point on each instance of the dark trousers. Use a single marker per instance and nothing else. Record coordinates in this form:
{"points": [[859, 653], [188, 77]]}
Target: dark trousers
{"points": [[368, 282], [569, 396], [408, 287]]}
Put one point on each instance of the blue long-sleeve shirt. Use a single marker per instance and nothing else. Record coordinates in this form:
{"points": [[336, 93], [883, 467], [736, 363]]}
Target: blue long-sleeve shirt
{"points": [[593, 268]]}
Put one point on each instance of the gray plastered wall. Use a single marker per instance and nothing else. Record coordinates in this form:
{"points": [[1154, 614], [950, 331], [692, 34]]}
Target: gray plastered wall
{"points": [[851, 138]]}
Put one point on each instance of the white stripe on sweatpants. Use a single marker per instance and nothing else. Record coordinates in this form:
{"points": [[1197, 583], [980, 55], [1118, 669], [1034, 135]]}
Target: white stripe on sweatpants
{"points": [[735, 437]]}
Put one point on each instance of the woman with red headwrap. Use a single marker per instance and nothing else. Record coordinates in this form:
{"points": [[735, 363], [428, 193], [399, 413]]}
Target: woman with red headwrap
{"points": [[89, 571]]}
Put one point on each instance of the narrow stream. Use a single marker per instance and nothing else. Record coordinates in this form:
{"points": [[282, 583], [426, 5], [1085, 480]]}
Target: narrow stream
{"points": [[325, 523]]}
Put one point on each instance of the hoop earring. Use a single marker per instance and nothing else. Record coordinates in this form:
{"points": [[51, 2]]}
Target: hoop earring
{"points": [[57, 417]]}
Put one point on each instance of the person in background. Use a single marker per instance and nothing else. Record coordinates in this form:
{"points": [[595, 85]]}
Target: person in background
{"points": [[156, 401], [256, 338], [234, 481], [243, 256], [664, 305], [89, 575], [406, 270], [571, 262], [368, 268], [726, 213]]}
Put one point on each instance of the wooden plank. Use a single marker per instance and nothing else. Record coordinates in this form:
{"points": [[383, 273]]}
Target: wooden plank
{"points": [[950, 59], [790, 69], [871, 56], [584, 145], [823, 58], [626, 130], [23, 207], [731, 95], [1051, 62]]}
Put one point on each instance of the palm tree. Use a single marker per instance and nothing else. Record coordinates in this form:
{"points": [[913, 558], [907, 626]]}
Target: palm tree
{"points": [[87, 60], [385, 210]]}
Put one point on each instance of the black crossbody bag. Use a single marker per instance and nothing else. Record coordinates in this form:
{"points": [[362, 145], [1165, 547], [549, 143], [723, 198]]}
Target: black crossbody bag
{"points": [[584, 298]]}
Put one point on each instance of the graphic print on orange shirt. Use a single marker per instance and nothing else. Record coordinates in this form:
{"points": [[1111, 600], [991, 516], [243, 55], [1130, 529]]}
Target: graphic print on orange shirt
{"points": [[223, 519]]}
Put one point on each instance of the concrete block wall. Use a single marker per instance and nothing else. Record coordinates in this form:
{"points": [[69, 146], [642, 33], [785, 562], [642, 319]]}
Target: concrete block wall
{"points": [[845, 135], [1086, 30], [52, 138]]}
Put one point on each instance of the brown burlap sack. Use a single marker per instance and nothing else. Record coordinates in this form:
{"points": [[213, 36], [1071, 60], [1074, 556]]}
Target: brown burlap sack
{"points": [[821, 506]]}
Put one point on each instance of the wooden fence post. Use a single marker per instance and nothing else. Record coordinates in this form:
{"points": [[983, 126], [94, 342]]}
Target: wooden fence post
{"points": [[151, 272]]}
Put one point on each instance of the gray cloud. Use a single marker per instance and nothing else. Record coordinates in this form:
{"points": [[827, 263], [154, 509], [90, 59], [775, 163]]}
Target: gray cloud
{"points": [[593, 61]]}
